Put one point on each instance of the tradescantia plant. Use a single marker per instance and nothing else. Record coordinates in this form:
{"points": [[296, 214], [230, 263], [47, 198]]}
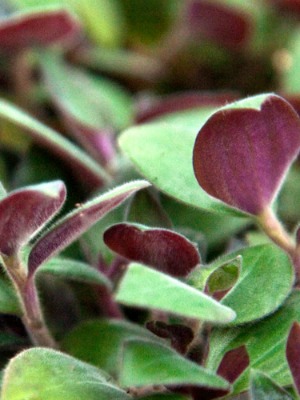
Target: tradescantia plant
{"points": [[182, 286]]}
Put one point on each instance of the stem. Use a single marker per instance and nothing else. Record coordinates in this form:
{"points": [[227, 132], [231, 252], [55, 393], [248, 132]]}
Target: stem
{"points": [[32, 316]]}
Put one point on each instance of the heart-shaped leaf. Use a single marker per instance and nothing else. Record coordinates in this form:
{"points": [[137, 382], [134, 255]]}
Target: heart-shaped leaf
{"points": [[162, 249], [145, 287], [25, 211], [293, 353], [69, 228], [149, 363], [243, 151], [264, 388], [86, 169], [52, 375], [39, 28]]}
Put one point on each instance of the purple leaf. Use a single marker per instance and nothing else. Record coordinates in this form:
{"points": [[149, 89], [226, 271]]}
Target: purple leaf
{"points": [[25, 211], [161, 249], [232, 365], [289, 6], [225, 25], [293, 353], [41, 28], [181, 102], [69, 228], [243, 152]]}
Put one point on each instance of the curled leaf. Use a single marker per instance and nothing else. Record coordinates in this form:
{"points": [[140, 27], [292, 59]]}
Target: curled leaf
{"points": [[25, 211], [244, 150], [39, 28], [162, 249], [69, 228]]}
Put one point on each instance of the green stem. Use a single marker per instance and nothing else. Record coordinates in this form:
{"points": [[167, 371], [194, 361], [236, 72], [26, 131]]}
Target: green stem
{"points": [[32, 316]]}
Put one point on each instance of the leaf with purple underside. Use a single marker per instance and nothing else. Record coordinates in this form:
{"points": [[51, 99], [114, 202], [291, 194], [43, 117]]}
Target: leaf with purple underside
{"points": [[25, 211], [243, 152], [161, 249], [69, 228], [39, 28], [86, 169], [293, 353], [227, 26]]}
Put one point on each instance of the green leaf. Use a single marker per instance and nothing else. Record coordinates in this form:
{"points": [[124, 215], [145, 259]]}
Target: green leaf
{"points": [[148, 363], [100, 342], [265, 281], [224, 277], [263, 388], [162, 152], [265, 341], [291, 83], [9, 303], [56, 143], [74, 270], [52, 375], [145, 287], [164, 397]]}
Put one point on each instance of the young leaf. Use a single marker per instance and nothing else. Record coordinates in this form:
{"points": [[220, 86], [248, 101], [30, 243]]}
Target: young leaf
{"points": [[244, 150], [293, 353], [100, 342], [90, 173], [145, 287], [161, 249], [25, 211], [74, 270], [39, 28], [56, 376], [263, 388], [69, 228], [149, 363]]}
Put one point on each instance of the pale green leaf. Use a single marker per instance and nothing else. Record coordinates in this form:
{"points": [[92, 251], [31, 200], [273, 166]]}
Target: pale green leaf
{"points": [[263, 388]]}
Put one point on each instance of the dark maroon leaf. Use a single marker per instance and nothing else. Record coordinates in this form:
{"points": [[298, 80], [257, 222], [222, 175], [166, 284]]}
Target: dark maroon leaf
{"points": [[289, 6], [25, 211], [181, 102], [41, 28], [242, 154], [232, 365], [293, 353], [162, 249], [225, 25], [180, 335], [69, 228]]}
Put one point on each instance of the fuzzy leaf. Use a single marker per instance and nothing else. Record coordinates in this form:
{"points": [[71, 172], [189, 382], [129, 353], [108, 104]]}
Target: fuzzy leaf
{"points": [[263, 388], [74, 270], [148, 363], [56, 376], [9, 303], [161, 249], [145, 287], [100, 342], [69, 228], [243, 151], [25, 211], [38, 28], [86, 169], [293, 353]]}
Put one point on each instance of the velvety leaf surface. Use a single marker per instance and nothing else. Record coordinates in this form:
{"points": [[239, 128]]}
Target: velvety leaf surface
{"points": [[100, 342], [9, 303], [148, 363], [181, 102], [87, 170], [161, 249], [145, 287], [293, 353], [74, 270], [39, 28], [265, 341], [25, 211], [69, 228], [227, 26], [56, 376], [162, 152], [243, 151], [263, 388]]}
